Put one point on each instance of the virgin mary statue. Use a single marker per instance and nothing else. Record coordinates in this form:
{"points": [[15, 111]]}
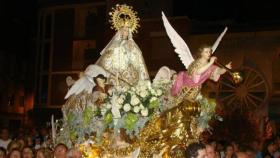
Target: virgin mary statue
{"points": [[122, 58]]}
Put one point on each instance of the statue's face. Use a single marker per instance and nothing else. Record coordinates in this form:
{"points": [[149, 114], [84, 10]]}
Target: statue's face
{"points": [[124, 33], [100, 81], [206, 53]]}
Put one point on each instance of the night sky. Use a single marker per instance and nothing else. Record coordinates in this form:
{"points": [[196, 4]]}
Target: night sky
{"points": [[239, 10], [18, 17], [18, 25]]}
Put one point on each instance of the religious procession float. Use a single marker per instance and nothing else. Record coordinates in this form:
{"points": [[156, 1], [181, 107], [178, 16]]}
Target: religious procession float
{"points": [[114, 110]]}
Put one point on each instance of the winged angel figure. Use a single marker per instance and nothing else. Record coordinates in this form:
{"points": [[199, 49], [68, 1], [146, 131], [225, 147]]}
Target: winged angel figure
{"points": [[188, 83], [86, 82]]}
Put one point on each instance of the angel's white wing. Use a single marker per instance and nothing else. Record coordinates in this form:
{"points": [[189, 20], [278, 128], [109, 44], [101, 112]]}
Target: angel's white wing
{"points": [[94, 70], [181, 47], [162, 74], [215, 45], [85, 83]]}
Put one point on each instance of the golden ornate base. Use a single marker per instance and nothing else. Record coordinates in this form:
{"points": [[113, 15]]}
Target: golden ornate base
{"points": [[166, 135]]}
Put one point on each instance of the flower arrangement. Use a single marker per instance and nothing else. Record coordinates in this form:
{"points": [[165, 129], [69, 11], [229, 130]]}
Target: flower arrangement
{"points": [[131, 107], [128, 108], [207, 107], [124, 107]]}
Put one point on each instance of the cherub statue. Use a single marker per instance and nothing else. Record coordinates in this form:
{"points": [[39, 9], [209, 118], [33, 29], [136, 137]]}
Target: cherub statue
{"points": [[188, 83], [86, 80], [101, 89]]}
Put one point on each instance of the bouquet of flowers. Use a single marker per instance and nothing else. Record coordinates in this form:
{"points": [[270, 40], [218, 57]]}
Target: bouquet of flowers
{"points": [[131, 107]]}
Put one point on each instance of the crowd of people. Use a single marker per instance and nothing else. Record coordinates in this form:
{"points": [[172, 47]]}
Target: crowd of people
{"points": [[33, 143], [269, 148]]}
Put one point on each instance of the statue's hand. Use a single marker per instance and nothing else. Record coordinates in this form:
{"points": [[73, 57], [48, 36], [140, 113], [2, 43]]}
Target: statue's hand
{"points": [[229, 65], [213, 59]]}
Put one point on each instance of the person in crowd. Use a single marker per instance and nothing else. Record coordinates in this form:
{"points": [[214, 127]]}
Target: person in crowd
{"points": [[235, 146], [37, 143], [60, 151], [246, 151], [44, 153], [74, 153], [27, 152], [15, 153], [3, 152], [44, 134], [241, 154], [13, 145], [229, 151], [257, 147], [250, 152], [220, 148], [277, 146], [196, 150], [269, 148], [20, 133], [4, 138], [29, 141], [21, 143], [211, 152]]}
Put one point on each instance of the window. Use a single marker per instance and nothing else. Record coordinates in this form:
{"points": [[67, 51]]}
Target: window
{"points": [[21, 101], [11, 100]]}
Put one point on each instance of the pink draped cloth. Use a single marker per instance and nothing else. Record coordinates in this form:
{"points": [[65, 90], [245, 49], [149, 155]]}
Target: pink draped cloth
{"points": [[184, 80]]}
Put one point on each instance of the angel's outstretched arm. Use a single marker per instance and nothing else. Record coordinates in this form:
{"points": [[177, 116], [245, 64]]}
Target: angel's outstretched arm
{"points": [[205, 67], [223, 70]]}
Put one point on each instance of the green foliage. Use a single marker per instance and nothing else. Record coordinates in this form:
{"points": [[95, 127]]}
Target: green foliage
{"points": [[130, 120], [108, 118]]}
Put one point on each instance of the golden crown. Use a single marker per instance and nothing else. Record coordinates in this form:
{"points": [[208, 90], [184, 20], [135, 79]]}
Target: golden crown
{"points": [[123, 15]]}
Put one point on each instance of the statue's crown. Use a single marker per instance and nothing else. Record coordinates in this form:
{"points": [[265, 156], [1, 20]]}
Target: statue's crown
{"points": [[124, 16]]}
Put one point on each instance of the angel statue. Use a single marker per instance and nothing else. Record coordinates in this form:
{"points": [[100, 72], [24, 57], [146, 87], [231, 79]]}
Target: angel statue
{"points": [[188, 83], [184, 120], [122, 58], [83, 93]]}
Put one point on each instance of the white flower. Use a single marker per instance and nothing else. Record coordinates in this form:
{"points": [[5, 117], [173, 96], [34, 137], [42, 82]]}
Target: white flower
{"points": [[133, 89], [148, 84], [136, 109], [141, 83], [153, 99], [159, 92], [141, 106], [118, 88], [124, 89], [134, 100], [103, 111], [143, 94], [126, 107], [119, 106], [122, 96], [108, 106], [153, 92], [120, 100], [199, 97], [142, 88], [144, 112], [137, 91]]}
